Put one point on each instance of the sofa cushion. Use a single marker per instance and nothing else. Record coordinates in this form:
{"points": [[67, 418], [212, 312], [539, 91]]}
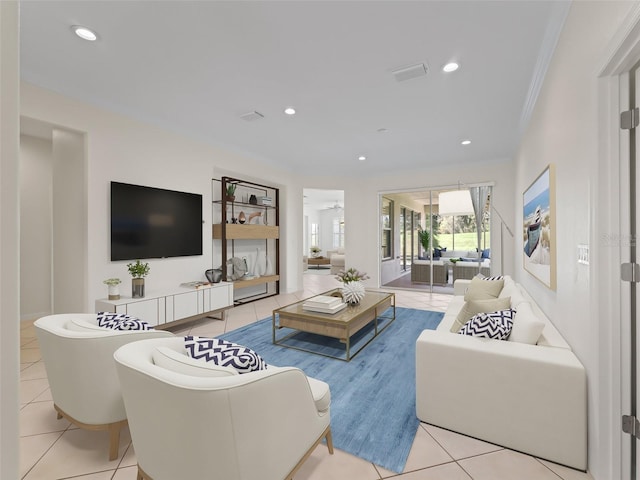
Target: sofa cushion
{"points": [[473, 307], [179, 362], [226, 354], [482, 289], [82, 325], [495, 325], [527, 327]]}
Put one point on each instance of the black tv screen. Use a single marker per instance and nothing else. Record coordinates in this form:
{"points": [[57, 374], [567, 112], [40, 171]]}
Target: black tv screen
{"points": [[151, 222]]}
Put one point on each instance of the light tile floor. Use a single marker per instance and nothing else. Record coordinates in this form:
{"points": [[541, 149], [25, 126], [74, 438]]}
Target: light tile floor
{"points": [[52, 449]]}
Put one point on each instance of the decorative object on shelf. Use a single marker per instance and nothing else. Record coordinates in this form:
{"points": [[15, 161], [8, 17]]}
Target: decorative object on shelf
{"points": [[242, 218], [214, 275], [234, 220], [238, 268], [353, 289], [138, 271], [268, 269], [231, 192], [257, 216], [260, 266], [253, 200], [315, 250], [114, 288]]}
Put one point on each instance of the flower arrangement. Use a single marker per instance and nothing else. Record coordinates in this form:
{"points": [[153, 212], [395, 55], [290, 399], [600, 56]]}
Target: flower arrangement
{"points": [[112, 281], [315, 250], [351, 275], [138, 269]]}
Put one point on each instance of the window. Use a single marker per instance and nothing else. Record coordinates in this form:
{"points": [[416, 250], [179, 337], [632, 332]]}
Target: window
{"points": [[338, 232], [387, 228], [315, 235]]}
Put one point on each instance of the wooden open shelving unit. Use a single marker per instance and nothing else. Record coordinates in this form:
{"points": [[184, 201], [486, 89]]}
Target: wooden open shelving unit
{"points": [[229, 233]]}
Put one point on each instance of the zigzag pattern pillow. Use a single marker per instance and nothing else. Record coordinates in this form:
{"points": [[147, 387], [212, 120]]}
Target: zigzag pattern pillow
{"points": [[223, 353], [121, 321], [495, 325], [489, 279]]}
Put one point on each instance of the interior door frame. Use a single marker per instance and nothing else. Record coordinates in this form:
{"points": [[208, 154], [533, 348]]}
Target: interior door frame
{"points": [[612, 196]]}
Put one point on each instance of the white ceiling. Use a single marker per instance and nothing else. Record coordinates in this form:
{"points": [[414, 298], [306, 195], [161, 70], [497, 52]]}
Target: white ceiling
{"points": [[195, 67]]}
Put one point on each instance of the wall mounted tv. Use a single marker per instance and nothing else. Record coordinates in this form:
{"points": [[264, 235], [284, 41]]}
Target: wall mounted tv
{"points": [[151, 222]]}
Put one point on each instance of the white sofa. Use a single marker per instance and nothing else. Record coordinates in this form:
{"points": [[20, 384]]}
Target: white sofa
{"points": [[336, 257], [529, 397]]}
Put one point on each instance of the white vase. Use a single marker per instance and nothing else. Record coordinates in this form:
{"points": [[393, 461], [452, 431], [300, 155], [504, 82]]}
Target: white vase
{"points": [[260, 266], [268, 270], [114, 292]]}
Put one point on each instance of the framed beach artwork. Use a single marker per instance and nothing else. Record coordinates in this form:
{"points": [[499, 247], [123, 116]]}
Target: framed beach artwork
{"points": [[539, 228]]}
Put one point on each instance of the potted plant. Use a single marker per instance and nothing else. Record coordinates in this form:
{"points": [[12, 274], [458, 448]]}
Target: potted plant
{"points": [[138, 271], [114, 289], [231, 192], [427, 241], [314, 251]]}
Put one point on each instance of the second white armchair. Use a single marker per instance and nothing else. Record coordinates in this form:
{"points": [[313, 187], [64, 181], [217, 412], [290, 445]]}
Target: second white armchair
{"points": [[186, 422]]}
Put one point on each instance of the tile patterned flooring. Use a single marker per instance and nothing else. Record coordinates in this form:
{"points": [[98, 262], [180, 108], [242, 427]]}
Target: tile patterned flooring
{"points": [[53, 449]]}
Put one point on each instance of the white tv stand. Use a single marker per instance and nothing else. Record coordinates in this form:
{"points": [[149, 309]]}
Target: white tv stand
{"points": [[164, 308]]}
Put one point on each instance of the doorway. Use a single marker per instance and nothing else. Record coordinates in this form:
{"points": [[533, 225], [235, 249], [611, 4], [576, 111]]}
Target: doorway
{"points": [[324, 230]]}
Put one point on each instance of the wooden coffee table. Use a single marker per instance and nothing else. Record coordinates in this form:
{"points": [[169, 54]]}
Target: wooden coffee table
{"points": [[317, 261], [341, 325]]}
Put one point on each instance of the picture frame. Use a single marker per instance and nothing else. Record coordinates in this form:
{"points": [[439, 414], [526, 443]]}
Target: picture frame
{"points": [[539, 228]]}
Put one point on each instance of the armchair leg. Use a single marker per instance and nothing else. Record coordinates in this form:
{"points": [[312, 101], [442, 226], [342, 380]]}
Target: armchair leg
{"points": [[329, 439], [114, 438]]}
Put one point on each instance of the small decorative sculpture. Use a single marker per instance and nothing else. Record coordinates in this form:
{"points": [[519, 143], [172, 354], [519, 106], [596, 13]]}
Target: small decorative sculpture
{"points": [[239, 268], [256, 215], [242, 218]]}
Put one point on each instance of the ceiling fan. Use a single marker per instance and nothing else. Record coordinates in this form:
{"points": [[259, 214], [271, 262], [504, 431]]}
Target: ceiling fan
{"points": [[335, 206]]}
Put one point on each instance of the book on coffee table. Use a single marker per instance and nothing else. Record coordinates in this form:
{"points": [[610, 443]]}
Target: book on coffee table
{"points": [[324, 304]]}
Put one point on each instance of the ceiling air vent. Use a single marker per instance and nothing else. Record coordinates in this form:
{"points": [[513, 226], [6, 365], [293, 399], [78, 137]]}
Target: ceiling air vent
{"points": [[251, 116], [407, 73]]}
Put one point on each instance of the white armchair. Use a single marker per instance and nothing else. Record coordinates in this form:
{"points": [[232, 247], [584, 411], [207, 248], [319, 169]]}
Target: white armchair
{"points": [[78, 358], [261, 424]]}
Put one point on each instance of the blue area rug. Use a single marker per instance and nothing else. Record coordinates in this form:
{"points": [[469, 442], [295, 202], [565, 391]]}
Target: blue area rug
{"points": [[373, 397]]}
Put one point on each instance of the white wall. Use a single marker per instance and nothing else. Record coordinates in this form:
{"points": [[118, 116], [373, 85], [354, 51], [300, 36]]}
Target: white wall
{"points": [[9, 237], [69, 226], [121, 149], [36, 179], [564, 131]]}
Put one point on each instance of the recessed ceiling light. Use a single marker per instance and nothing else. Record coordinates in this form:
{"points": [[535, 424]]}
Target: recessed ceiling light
{"points": [[362, 158], [84, 33], [290, 111], [465, 142], [450, 67]]}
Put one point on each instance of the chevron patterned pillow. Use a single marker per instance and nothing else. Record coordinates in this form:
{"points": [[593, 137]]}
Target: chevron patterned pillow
{"points": [[121, 321], [223, 353], [496, 325]]}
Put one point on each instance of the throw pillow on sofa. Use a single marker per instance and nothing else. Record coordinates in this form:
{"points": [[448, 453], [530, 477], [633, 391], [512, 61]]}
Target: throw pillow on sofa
{"points": [[473, 307], [527, 327], [223, 353], [482, 289], [495, 325]]}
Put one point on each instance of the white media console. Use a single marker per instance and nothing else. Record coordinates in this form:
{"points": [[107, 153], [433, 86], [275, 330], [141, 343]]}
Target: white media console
{"points": [[161, 308]]}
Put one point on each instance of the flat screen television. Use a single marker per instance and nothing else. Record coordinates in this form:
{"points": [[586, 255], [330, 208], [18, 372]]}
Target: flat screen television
{"points": [[151, 222]]}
